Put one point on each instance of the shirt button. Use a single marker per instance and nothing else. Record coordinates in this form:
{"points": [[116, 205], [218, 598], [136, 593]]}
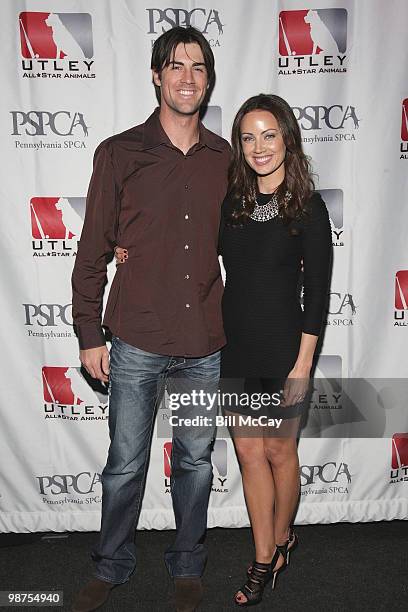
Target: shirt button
{"points": [[186, 247], [186, 216], [187, 305], [185, 186], [187, 276]]}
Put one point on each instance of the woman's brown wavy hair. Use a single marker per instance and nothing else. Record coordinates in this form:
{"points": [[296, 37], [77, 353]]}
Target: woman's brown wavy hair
{"points": [[298, 174]]}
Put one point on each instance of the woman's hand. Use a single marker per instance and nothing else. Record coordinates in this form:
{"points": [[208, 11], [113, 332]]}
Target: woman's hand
{"points": [[121, 255], [296, 386]]}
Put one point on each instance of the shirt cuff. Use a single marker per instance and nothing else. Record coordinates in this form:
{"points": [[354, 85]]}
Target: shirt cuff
{"points": [[90, 336]]}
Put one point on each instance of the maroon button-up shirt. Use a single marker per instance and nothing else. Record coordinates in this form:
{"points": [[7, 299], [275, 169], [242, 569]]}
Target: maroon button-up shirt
{"points": [[164, 207]]}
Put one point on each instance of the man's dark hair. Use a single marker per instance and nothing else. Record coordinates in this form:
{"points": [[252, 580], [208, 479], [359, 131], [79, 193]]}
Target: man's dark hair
{"points": [[165, 46]]}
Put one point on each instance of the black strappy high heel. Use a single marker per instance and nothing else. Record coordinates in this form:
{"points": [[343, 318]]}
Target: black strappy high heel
{"points": [[284, 549], [258, 578]]}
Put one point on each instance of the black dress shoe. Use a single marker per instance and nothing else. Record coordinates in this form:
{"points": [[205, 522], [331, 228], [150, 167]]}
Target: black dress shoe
{"points": [[92, 596], [189, 593]]}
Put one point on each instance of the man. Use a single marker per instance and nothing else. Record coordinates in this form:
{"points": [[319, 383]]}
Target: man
{"points": [[156, 189]]}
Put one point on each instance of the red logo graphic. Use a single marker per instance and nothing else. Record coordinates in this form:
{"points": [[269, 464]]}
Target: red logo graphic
{"points": [[311, 32], [218, 457], [167, 458], [57, 218], [399, 450], [401, 290], [56, 35], [67, 386], [404, 120]]}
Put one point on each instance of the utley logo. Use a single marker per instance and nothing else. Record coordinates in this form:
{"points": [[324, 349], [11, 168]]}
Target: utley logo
{"points": [[207, 20], [401, 299], [312, 41], [399, 458], [40, 319], [56, 45], [56, 225], [336, 123], [67, 395], [70, 127], [219, 460], [404, 130], [327, 383], [334, 474], [334, 202]]}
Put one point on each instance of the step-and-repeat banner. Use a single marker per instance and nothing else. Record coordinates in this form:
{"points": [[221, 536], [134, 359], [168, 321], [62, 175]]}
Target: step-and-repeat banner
{"points": [[77, 71]]}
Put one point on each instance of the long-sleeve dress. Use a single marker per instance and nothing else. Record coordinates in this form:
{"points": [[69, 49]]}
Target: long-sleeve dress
{"points": [[262, 313]]}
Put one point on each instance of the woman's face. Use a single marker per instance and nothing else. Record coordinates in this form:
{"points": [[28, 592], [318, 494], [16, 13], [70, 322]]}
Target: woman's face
{"points": [[262, 143]]}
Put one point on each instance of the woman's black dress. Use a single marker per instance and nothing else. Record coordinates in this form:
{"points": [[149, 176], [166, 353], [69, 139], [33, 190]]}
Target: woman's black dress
{"points": [[263, 318]]}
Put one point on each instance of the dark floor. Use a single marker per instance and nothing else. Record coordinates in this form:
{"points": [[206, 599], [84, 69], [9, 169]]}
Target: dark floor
{"points": [[343, 567]]}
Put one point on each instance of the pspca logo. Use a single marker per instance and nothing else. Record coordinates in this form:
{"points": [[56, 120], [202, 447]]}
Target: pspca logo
{"points": [[341, 310], [330, 478], [335, 123], [56, 225], [401, 299], [68, 395], [207, 20], [334, 202], [219, 462], [404, 130], [56, 45], [399, 458], [312, 42], [81, 489], [35, 128], [41, 320]]}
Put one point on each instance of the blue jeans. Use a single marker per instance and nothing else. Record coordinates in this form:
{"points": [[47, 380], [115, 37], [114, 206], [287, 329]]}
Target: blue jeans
{"points": [[136, 386]]}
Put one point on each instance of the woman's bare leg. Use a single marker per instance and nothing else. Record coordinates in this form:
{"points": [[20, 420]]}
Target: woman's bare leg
{"points": [[282, 456]]}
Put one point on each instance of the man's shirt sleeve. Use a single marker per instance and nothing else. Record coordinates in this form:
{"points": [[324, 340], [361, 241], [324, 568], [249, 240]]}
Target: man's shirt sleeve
{"points": [[96, 243]]}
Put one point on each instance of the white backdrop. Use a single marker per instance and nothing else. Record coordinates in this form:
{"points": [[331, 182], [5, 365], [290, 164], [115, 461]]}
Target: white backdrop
{"points": [[77, 72]]}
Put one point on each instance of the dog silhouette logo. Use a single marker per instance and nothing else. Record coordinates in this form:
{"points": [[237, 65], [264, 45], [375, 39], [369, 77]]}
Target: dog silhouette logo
{"points": [[211, 117], [68, 387], [313, 32], [334, 202], [56, 35], [167, 446], [329, 366], [219, 458], [401, 290], [399, 457], [404, 120], [57, 218]]}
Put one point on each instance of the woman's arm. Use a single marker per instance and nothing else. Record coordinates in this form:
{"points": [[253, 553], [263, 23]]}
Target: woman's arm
{"points": [[317, 254]]}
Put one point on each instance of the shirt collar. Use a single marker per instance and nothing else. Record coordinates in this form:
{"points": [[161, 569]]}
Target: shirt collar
{"points": [[154, 134]]}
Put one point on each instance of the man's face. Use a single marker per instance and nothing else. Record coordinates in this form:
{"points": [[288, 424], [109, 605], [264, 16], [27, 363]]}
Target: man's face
{"points": [[183, 83]]}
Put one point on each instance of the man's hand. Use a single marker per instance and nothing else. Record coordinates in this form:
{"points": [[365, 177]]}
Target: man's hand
{"points": [[96, 362]]}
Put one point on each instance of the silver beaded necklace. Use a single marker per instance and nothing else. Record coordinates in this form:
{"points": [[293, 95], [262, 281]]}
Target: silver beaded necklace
{"points": [[270, 209]]}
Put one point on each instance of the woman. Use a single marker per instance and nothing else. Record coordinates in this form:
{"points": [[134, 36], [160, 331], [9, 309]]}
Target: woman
{"points": [[272, 225]]}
